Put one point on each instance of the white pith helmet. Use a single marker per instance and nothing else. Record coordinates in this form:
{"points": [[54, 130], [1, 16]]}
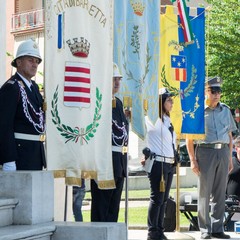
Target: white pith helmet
{"points": [[27, 48], [116, 72]]}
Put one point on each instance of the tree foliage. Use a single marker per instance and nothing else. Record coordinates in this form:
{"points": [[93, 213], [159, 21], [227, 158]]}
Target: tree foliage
{"points": [[223, 54]]}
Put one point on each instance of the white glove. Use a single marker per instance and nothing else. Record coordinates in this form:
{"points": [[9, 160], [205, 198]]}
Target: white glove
{"points": [[9, 166]]}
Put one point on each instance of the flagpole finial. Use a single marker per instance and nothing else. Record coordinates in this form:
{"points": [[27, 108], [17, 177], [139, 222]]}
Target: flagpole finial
{"points": [[208, 8]]}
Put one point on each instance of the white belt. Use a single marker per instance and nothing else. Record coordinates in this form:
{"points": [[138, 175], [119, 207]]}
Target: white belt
{"points": [[164, 159], [31, 137], [121, 149]]}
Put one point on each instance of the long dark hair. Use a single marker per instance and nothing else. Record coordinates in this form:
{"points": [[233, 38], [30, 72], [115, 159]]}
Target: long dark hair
{"points": [[162, 109]]}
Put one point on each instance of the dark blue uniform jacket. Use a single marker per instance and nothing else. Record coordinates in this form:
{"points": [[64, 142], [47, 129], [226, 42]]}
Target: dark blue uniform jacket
{"points": [[21, 115]]}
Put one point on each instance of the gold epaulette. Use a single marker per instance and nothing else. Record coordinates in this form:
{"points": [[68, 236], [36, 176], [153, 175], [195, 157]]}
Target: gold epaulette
{"points": [[44, 107]]}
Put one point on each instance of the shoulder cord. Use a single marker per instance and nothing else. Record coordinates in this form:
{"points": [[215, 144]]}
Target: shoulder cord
{"points": [[122, 129]]}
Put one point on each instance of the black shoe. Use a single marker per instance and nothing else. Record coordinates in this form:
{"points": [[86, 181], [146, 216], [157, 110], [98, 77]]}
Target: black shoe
{"points": [[221, 235], [205, 236], [163, 237], [151, 238]]}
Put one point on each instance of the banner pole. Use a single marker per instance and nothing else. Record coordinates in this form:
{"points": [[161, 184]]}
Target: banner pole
{"points": [[177, 198], [178, 191], [65, 203], [126, 197]]}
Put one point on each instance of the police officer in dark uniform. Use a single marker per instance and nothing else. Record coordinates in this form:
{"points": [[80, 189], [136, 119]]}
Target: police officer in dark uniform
{"points": [[212, 161], [106, 203], [22, 122]]}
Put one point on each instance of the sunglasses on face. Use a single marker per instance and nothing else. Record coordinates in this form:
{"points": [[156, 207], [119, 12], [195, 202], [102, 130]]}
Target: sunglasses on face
{"points": [[215, 91]]}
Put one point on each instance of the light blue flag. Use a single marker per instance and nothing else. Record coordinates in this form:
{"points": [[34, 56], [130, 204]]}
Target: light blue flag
{"points": [[136, 51]]}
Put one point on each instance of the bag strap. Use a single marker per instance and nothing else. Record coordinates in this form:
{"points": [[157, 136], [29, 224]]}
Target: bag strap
{"points": [[171, 129]]}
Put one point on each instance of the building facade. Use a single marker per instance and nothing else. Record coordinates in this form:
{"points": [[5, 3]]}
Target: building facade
{"points": [[24, 20]]}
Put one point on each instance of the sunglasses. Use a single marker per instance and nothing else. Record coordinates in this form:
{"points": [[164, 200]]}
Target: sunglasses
{"points": [[215, 91]]}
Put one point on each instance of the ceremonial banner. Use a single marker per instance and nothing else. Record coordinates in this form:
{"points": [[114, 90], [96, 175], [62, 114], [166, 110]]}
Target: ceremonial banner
{"points": [[78, 88], [185, 22], [182, 69], [136, 51]]}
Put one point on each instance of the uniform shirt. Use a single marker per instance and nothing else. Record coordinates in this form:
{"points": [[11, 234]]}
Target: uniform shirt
{"points": [[218, 123], [159, 137], [28, 83]]}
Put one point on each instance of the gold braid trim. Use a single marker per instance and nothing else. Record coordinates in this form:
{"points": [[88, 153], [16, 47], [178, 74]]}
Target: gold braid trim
{"points": [[84, 174], [106, 184], [89, 174], [59, 173], [73, 181], [193, 136]]}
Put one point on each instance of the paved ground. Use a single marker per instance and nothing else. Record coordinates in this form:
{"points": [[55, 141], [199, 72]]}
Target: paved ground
{"points": [[142, 235], [136, 234]]}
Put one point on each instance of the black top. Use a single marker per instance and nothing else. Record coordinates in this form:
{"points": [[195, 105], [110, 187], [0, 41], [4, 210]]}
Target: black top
{"points": [[119, 138]]}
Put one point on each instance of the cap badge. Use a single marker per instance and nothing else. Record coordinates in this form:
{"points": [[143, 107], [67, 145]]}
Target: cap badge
{"points": [[35, 46]]}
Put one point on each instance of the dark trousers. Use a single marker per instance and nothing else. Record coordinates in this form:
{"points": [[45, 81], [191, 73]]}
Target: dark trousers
{"points": [[106, 202], [213, 164], [158, 200]]}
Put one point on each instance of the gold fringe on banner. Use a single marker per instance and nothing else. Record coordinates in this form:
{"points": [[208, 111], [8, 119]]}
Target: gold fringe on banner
{"points": [[59, 173], [193, 136], [106, 184], [110, 184], [76, 181], [73, 181]]}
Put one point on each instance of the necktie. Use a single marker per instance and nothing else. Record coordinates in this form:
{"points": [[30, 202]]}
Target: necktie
{"points": [[34, 92]]}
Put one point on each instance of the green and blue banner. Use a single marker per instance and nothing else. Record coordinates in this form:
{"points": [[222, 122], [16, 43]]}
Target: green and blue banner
{"points": [[188, 87]]}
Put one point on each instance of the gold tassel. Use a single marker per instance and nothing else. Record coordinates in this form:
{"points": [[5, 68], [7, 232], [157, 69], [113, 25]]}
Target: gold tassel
{"points": [[114, 103], [162, 184], [44, 106], [145, 106]]}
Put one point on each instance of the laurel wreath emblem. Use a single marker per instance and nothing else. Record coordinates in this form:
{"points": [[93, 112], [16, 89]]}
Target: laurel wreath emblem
{"points": [[184, 92], [75, 134], [175, 91], [129, 73]]}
